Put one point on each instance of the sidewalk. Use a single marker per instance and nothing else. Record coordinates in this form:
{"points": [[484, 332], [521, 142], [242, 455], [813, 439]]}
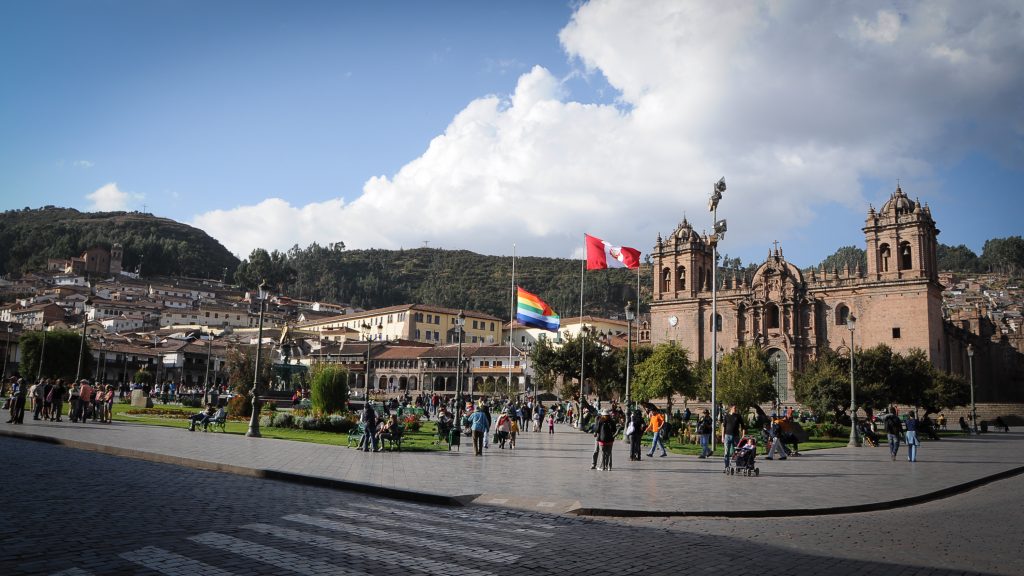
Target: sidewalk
{"points": [[551, 472]]}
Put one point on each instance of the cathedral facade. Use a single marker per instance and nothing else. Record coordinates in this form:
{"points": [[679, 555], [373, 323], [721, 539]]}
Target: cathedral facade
{"points": [[793, 315]]}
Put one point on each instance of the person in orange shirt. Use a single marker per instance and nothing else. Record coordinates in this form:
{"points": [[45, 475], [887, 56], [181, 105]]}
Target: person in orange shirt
{"points": [[656, 421], [85, 393]]}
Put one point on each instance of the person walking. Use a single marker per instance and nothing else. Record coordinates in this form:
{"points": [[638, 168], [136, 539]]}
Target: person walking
{"points": [[479, 422], [732, 430], [704, 429], [912, 441], [503, 428], [657, 420], [893, 430], [607, 429], [775, 441], [635, 433]]}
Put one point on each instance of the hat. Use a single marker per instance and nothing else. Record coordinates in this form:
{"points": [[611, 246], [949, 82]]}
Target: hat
{"points": [[83, 380]]}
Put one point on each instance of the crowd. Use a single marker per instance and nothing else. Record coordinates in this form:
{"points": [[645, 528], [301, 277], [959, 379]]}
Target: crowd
{"points": [[47, 398]]}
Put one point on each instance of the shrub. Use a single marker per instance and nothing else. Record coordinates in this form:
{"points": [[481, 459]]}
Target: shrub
{"points": [[268, 406], [328, 388], [190, 402], [284, 420], [827, 430], [239, 405], [411, 423], [309, 423], [267, 421]]}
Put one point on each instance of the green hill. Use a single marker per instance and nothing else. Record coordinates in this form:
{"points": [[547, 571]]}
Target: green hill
{"points": [[161, 246]]}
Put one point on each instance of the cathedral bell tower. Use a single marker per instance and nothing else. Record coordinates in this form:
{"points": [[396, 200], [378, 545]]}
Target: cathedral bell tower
{"points": [[901, 240], [682, 264]]}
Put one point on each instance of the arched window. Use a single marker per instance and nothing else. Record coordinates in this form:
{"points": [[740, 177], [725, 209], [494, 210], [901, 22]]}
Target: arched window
{"points": [[842, 314], [906, 263], [666, 278], [717, 323], [772, 315], [883, 257], [681, 278]]}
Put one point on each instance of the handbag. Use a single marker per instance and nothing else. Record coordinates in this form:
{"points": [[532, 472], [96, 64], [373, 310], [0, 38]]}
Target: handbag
{"points": [[629, 428]]}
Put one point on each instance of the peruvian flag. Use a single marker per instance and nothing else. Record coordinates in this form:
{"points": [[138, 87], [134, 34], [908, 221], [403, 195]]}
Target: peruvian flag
{"points": [[601, 255]]}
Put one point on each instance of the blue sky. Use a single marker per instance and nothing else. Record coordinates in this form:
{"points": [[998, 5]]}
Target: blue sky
{"points": [[476, 125]]}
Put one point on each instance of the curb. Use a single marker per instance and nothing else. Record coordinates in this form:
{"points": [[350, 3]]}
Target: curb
{"points": [[279, 475], [466, 499]]}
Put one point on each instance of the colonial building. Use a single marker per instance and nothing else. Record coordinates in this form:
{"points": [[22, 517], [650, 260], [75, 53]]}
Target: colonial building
{"points": [[896, 301]]}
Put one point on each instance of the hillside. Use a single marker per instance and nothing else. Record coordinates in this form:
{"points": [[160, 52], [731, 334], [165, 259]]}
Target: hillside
{"points": [[163, 247], [451, 278]]}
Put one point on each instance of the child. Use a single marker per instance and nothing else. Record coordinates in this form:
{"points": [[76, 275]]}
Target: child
{"points": [[513, 431], [551, 423]]}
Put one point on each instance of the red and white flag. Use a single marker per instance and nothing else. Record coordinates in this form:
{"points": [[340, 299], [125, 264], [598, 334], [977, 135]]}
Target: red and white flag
{"points": [[601, 255]]}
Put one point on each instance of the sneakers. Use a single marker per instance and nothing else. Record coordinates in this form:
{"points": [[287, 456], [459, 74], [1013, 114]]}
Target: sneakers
{"points": [[663, 454], [593, 467]]}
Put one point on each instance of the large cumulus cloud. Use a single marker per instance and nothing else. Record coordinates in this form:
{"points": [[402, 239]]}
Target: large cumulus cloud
{"points": [[797, 103]]}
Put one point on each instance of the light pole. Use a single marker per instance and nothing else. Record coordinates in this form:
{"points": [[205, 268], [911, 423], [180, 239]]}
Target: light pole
{"points": [[629, 348], [851, 323], [974, 411], [368, 331], [96, 372], [584, 331], [719, 233], [254, 420], [460, 322], [42, 356], [7, 348], [81, 344]]}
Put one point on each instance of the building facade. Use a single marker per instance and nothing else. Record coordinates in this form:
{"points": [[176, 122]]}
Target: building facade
{"points": [[897, 301]]}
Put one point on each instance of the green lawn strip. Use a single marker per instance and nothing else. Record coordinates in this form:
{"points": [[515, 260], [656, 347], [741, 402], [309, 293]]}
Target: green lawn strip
{"points": [[177, 417]]}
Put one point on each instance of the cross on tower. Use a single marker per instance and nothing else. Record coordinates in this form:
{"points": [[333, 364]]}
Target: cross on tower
{"points": [[776, 244]]}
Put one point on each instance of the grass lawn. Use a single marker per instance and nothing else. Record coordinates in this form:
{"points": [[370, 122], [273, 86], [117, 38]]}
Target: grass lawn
{"points": [[177, 417]]}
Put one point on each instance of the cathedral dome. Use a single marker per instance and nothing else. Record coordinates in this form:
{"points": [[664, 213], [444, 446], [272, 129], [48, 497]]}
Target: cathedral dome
{"points": [[899, 203]]}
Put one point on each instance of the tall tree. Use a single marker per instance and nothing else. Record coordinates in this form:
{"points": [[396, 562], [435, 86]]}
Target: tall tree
{"points": [[666, 372], [59, 354], [745, 378], [824, 384]]}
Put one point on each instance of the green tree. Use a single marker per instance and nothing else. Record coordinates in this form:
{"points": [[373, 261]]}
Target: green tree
{"points": [[745, 378], [328, 388], [957, 258], [847, 256], [1004, 255], [240, 363], [824, 384], [875, 379], [947, 391], [667, 371], [59, 354]]}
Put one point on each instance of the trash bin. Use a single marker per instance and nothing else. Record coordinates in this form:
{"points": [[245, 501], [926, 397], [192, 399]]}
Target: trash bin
{"points": [[984, 427], [454, 437]]}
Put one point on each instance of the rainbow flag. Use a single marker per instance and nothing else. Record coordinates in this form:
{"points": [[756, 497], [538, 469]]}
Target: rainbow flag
{"points": [[532, 311]]}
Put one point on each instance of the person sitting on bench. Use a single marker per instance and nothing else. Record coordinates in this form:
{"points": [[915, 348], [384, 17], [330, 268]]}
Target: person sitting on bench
{"points": [[201, 418]]}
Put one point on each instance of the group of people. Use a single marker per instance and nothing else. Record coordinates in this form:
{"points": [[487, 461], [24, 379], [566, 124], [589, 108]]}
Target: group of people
{"points": [[46, 400], [377, 430]]}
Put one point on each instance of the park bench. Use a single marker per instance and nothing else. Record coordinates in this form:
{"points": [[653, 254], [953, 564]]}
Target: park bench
{"points": [[394, 440], [356, 433], [217, 423]]}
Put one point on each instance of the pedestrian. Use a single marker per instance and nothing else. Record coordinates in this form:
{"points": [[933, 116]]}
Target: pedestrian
{"points": [[512, 433], [479, 423], [704, 429], [551, 422], [369, 418], [912, 441], [57, 400], [654, 426], [605, 434], [18, 404], [775, 441], [36, 393], [893, 430], [732, 430], [503, 428], [73, 395], [635, 433], [84, 401]]}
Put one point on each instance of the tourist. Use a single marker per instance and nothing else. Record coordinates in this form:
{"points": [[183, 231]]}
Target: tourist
{"points": [[512, 433], [732, 430], [704, 429], [57, 400], [369, 421], [605, 433], [551, 422], [84, 401], [654, 426], [503, 428], [73, 401], [635, 433], [201, 418], [775, 441], [479, 423], [893, 430], [912, 441]]}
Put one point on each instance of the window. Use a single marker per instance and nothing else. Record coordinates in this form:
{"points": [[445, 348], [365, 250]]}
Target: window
{"points": [[497, 363], [883, 257], [474, 325], [772, 315], [492, 326], [681, 278], [906, 262], [666, 278], [895, 333], [437, 337], [437, 319], [717, 324], [417, 333], [430, 318], [842, 314]]}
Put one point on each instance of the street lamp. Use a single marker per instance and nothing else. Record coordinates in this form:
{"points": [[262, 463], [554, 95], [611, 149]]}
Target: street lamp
{"points": [[974, 411], [368, 331], [851, 323], [584, 331], [42, 356], [99, 354], [81, 344], [460, 322], [254, 420], [719, 233], [629, 343], [7, 348]]}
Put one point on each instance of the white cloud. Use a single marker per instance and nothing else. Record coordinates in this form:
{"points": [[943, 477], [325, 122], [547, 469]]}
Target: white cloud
{"points": [[796, 103], [83, 164], [109, 198]]}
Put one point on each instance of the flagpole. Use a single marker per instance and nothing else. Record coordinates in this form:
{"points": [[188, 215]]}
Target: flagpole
{"points": [[511, 319], [583, 342]]}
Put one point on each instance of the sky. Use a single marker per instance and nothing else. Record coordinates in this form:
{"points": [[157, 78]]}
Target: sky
{"points": [[500, 126]]}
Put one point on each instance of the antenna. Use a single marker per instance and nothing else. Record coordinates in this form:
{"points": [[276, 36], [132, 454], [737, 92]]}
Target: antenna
{"points": [[426, 243]]}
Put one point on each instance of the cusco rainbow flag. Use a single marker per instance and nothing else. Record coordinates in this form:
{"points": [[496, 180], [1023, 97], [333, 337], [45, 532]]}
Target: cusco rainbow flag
{"points": [[532, 311]]}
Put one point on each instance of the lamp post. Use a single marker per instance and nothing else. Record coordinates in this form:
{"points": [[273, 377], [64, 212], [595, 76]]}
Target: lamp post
{"points": [[460, 322], [719, 233], [368, 331], [584, 331], [81, 344], [851, 323], [974, 411], [629, 347], [42, 356], [96, 371], [254, 420], [7, 348]]}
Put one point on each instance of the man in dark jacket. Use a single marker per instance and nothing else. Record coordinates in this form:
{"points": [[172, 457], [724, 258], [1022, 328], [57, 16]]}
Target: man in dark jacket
{"points": [[369, 439], [894, 430], [732, 430]]}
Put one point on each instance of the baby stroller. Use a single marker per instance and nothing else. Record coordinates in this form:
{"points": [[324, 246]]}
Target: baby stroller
{"points": [[743, 459]]}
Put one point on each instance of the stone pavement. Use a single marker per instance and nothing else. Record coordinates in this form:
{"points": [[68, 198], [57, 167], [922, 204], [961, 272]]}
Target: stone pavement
{"points": [[551, 472]]}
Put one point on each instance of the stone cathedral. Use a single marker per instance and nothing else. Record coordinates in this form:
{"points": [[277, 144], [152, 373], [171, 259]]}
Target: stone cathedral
{"points": [[792, 314]]}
